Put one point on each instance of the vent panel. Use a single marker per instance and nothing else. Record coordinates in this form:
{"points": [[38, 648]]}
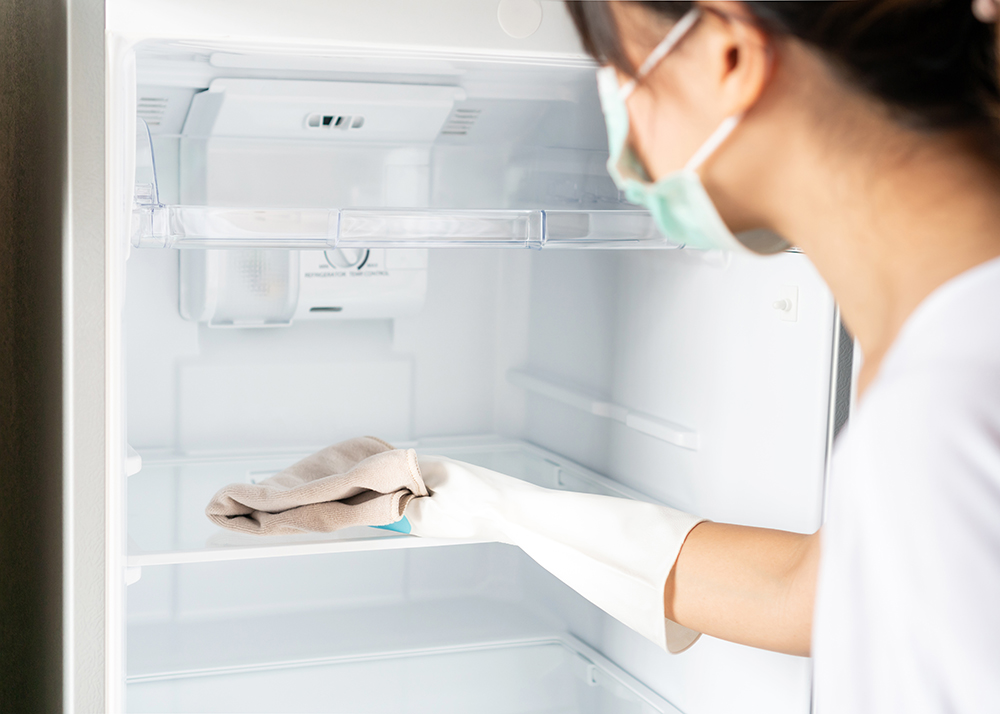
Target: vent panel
{"points": [[163, 108], [152, 109], [321, 110], [460, 122]]}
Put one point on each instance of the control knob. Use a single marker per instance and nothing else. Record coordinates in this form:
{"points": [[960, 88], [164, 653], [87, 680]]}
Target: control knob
{"points": [[346, 257]]}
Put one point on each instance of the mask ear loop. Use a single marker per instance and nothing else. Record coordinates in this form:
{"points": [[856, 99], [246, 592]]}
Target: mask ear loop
{"points": [[668, 43], [721, 134], [712, 142]]}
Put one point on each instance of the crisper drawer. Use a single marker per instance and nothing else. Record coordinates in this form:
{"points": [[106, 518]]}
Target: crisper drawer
{"points": [[558, 675]]}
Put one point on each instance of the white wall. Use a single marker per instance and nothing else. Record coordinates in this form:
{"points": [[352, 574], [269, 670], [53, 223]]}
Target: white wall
{"points": [[194, 388]]}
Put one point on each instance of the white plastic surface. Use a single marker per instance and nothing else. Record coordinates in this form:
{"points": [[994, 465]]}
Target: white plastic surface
{"points": [[519, 18], [787, 303], [133, 462], [266, 288], [644, 423], [361, 284], [167, 523], [324, 111], [439, 26]]}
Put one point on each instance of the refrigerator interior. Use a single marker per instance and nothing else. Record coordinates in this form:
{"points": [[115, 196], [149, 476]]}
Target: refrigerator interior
{"points": [[291, 284]]}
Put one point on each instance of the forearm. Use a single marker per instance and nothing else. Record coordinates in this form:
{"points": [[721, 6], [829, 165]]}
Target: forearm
{"points": [[754, 586]]}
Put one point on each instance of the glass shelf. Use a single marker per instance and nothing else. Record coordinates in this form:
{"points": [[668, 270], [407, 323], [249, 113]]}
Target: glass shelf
{"points": [[548, 674], [166, 510]]}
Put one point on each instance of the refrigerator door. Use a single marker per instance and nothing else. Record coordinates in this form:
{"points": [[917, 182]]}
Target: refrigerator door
{"points": [[63, 440]]}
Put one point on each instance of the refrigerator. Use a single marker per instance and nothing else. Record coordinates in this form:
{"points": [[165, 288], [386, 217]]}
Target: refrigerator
{"points": [[319, 219]]}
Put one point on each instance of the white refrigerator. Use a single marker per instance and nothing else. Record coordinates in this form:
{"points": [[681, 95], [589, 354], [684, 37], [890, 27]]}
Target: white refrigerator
{"points": [[332, 218]]}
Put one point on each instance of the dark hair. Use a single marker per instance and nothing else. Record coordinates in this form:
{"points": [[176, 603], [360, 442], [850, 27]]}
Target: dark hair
{"points": [[930, 61]]}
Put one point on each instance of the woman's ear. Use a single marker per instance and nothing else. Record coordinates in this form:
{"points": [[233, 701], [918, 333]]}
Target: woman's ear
{"points": [[739, 56]]}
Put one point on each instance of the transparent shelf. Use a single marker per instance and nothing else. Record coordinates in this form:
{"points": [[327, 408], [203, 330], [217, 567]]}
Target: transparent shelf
{"points": [[165, 226], [446, 656], [171, 646], [554, 674], [167, 498]]}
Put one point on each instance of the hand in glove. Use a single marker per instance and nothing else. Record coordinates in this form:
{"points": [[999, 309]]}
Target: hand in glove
{"points": [[616, 552]]}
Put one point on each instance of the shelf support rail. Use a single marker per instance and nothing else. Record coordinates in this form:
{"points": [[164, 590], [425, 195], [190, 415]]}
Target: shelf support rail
{"points": [[661, 429]]}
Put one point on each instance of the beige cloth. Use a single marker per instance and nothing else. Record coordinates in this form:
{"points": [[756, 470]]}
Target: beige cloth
{"points": [[361, 481]]}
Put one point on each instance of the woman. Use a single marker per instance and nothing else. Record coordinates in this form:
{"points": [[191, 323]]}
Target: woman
{"points": [[865, 133], [868, 139]]}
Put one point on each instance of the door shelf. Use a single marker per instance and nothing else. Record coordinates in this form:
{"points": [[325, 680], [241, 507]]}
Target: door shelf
{"points": [[177, 226], [166, 501], [446, 657]]}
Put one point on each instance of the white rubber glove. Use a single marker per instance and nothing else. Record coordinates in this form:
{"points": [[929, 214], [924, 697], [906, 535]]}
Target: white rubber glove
{"points": [[615, 552]]}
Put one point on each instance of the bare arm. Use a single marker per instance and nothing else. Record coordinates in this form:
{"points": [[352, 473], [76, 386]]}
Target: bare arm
{"points": [[754, 586]]}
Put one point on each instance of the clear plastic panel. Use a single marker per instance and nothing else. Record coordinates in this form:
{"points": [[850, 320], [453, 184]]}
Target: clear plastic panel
{"points": [[211, 227], [146, 190], [435, 227], [316, 228], [602, 229], [159, 225]]}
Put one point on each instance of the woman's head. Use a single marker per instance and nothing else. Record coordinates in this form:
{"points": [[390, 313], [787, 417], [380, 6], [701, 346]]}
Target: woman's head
{"points": [[932, 62], [852, 71], [868, 133]]}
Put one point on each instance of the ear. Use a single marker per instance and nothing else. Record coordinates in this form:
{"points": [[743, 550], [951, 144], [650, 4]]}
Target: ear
{"points": [[739, 54]]}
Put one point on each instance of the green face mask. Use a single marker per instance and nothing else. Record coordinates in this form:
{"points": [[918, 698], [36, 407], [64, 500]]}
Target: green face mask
{"points": [[678, 202]]}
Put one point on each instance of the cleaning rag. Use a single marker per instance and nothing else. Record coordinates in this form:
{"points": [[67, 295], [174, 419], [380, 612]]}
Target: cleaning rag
{"points": [[358, 482]]}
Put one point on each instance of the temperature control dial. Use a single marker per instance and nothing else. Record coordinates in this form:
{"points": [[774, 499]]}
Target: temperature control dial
{"points": [[342, 258]]}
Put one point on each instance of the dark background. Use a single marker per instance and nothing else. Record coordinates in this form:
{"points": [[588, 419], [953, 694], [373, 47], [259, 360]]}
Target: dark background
{"points": [[32, 180]]}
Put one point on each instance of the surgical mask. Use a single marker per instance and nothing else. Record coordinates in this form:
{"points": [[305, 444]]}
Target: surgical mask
{"points": [[678, 202]]}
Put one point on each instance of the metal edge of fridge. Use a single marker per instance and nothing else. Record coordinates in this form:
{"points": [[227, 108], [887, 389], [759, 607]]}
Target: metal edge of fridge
{"points": [[61, 587], [95, 447]]}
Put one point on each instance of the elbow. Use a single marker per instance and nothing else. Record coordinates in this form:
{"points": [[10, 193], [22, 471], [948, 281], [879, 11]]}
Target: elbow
{"points": [[800, 596]]}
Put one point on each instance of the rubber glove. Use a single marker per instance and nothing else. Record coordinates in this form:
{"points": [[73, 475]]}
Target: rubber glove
{"points": [[615, 552]]}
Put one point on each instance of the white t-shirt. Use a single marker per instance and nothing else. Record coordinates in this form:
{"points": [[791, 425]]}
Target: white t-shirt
{"points": [[908, 604]]}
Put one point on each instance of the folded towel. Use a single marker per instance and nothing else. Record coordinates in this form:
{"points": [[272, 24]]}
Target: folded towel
{"points": [[359, 482]]}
